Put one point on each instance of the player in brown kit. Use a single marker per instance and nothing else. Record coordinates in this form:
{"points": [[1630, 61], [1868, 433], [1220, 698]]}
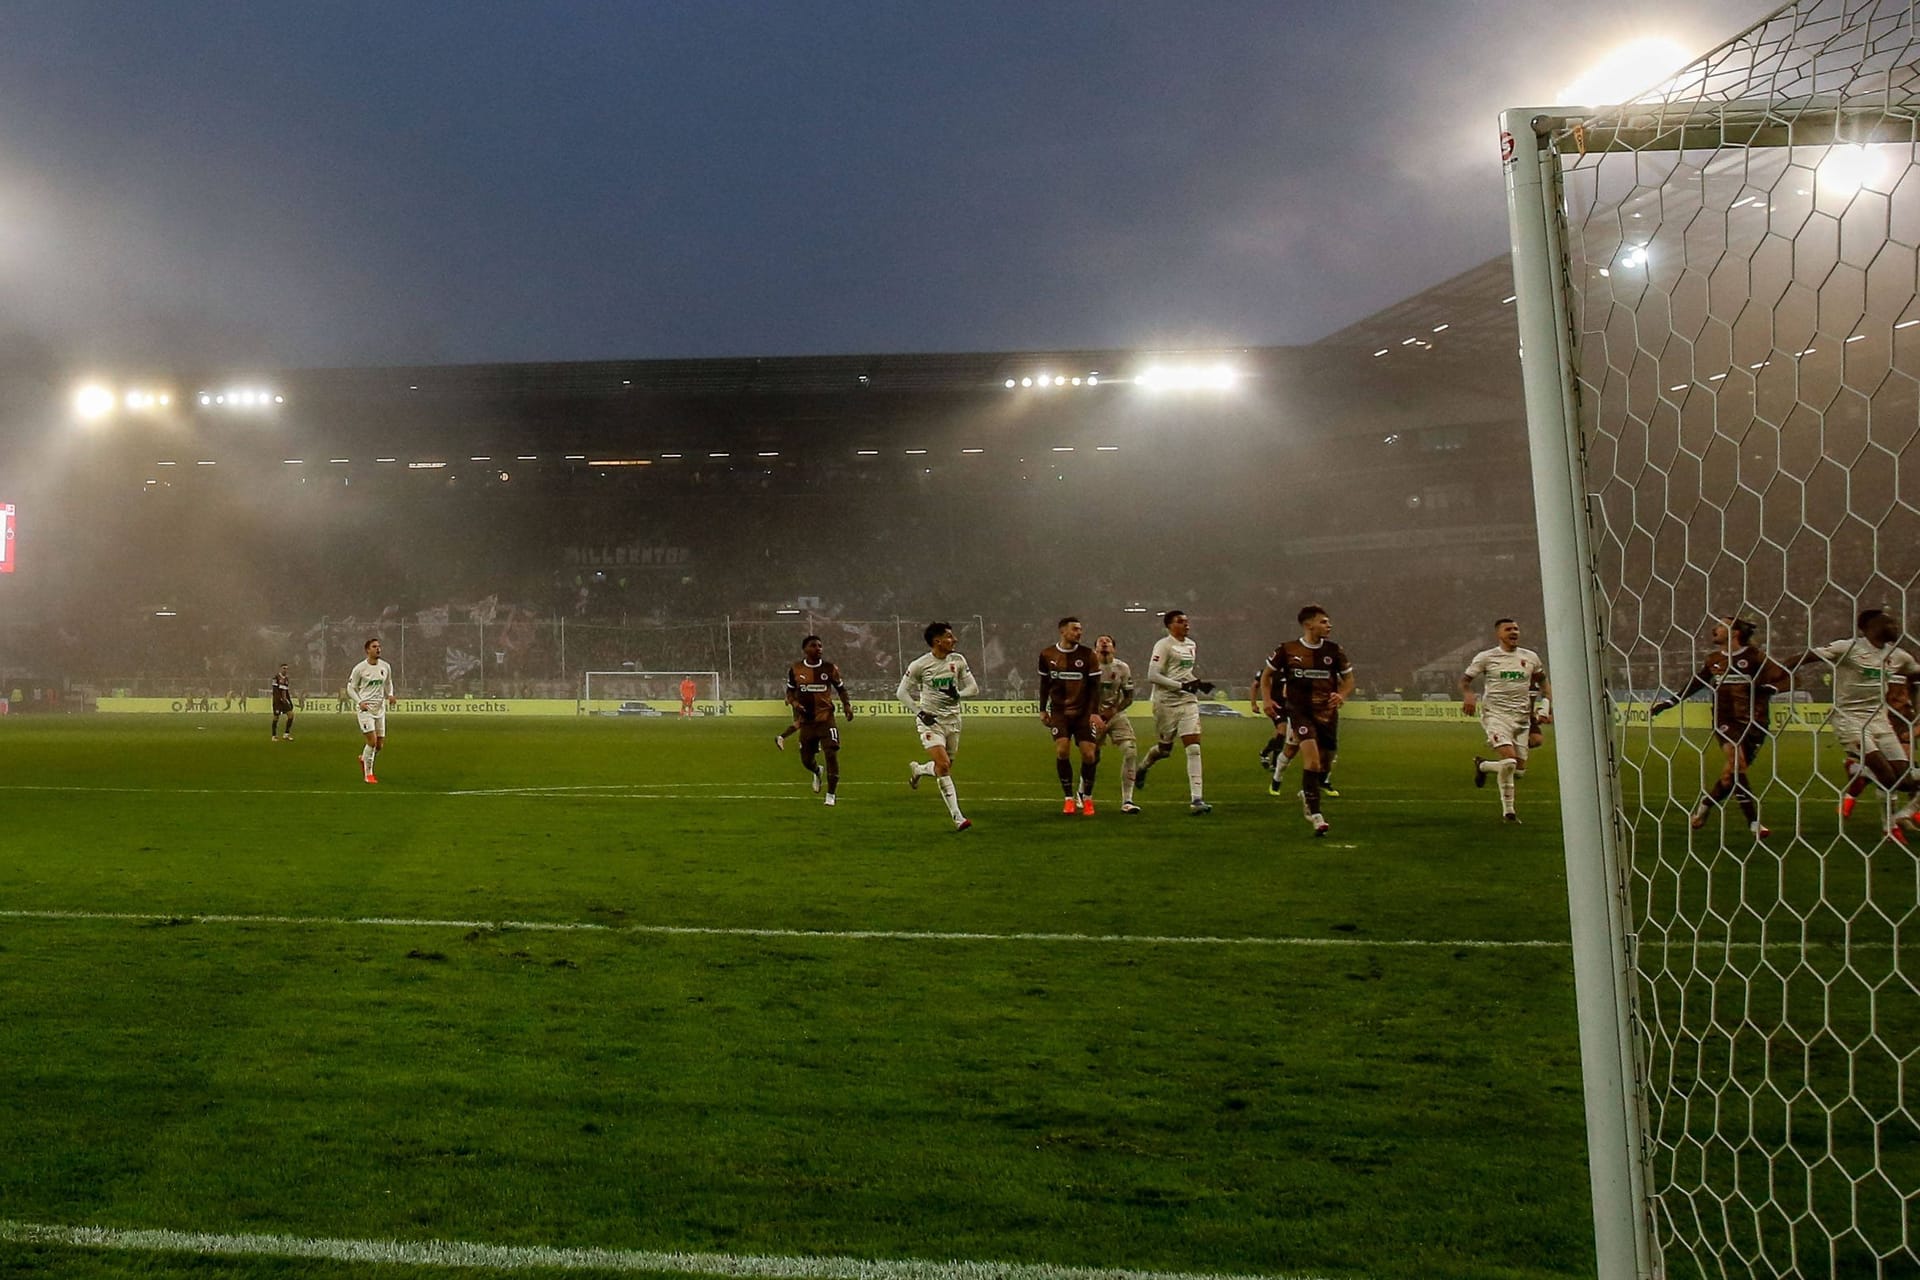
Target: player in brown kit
{"points": [[1070, 708], [812, 684], [1307, 680], [1743, 679]]}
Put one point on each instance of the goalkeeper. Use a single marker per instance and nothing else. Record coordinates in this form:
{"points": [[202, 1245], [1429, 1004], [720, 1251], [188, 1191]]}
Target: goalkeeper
{"points": [[932, 687]]}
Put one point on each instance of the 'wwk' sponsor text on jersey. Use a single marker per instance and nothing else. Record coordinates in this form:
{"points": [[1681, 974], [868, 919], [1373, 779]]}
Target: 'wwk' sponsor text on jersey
{"points": [[370, 682], [1860, 673], [1510, 680], [935, 685]]}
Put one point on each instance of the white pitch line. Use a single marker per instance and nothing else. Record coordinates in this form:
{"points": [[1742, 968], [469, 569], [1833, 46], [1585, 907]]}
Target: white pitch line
{"points": [[460, 1253], [638, 791], [825, 935]]}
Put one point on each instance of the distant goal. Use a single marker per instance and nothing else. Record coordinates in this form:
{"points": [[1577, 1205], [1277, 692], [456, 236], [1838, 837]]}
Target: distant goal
{"points": [[651, 693]]}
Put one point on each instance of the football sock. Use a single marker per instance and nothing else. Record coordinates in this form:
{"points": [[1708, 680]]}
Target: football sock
{"points": [[1086, 778], [948, 794], [1064, 767], [833, 774], [1274, 745], [1748, 808], [1193, 770], [921, 769], [1505, 779], [1719, 792], [1129, 761], [1310, 787], [1494, 765], [366, 759]]}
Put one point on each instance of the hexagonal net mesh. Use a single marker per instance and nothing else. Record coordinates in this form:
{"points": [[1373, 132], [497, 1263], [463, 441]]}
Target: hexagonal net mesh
{"points": [[1743, 259]]}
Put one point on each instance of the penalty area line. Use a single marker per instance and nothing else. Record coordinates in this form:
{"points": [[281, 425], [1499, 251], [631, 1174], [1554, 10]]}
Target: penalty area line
{"points": [[825, 935], [460, 1253]]}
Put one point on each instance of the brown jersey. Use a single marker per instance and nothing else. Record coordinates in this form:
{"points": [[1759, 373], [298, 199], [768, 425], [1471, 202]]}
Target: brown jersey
{"points": [[811, 689], [1743, 685], [1305, 678], [1069, 681]]}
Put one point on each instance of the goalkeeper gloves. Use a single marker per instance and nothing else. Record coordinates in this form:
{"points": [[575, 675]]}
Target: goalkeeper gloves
{"points": [[926, 718]]}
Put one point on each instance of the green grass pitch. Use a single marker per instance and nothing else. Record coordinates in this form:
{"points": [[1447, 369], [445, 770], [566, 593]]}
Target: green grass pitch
{"points": [[1165, 1041]]}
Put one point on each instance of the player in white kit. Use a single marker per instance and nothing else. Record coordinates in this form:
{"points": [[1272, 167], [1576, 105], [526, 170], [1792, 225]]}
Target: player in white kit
{"points": [[1176, 704], [370, 689], [1116, 695], [1860, 722], [932, 687], [1512, 676]]}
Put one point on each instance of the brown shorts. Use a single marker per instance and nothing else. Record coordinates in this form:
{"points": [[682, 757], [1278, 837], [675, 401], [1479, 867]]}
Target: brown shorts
{"points": [[816, 733], [1074, 728]]}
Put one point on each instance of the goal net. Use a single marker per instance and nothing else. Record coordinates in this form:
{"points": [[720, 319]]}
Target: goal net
{"points": [[645, 693], [1721, 333]]}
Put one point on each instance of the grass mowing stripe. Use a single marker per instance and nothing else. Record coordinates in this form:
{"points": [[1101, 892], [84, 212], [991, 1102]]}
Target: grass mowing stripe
{"points": [[849, 935], [457, 1253]]}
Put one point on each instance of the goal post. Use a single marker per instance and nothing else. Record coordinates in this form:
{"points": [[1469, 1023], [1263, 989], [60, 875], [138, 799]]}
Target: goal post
{"points": [[646, 693], [1717, 291], [1616, 1159]]}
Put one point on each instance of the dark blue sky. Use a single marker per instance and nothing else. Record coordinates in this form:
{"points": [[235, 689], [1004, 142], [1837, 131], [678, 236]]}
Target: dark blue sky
{"points": [[356, 183]]}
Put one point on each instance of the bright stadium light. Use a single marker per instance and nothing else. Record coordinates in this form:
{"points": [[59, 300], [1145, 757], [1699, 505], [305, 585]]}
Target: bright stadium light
{"points": [[93, 402], [1847, 169], [1026, 382], [1635, 256], [1631, 68], [1011, 384]]}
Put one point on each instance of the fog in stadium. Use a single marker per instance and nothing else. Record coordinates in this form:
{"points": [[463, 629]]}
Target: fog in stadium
{"points": [[641, 322]]}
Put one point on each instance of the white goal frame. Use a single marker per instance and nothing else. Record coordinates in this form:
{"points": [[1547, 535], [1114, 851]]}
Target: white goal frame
{"points": [[1614, 1074], [589, 702]]}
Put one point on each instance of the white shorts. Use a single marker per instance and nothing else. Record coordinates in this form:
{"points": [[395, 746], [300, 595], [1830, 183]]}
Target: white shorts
{"points": [[1120, 730], [374, 722], [1176, 719], [1506, 731], [1863, 735], [941, 733]]}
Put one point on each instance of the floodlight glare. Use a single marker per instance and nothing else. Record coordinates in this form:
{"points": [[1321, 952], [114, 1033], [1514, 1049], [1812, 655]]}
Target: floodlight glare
{"points": [[93, 402], [1847, 169], [1059, 379], [1026, 382], [1633, 67], [1010, 384]]}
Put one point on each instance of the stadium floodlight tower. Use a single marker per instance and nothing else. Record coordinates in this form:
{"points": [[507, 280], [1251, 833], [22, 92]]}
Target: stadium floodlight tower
{"points": [[1720, 332]]}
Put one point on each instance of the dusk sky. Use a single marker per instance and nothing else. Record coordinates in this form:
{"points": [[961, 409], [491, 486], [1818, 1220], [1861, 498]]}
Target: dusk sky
{"points": [[356, 183]]}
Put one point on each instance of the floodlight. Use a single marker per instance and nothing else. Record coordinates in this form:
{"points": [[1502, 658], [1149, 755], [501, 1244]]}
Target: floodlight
{"points": [[1093, 379], [1026, 382], [93, 402], [1010, 384], [205, 398], [1224, 376], [1059, 379], [1149, 378]]}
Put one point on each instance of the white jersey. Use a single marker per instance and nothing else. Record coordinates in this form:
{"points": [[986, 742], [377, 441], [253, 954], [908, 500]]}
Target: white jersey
{"points": [[370, 683], [1116, 686], [928, 680], [1172, 664], [1509, 677], [1861, 672]]}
